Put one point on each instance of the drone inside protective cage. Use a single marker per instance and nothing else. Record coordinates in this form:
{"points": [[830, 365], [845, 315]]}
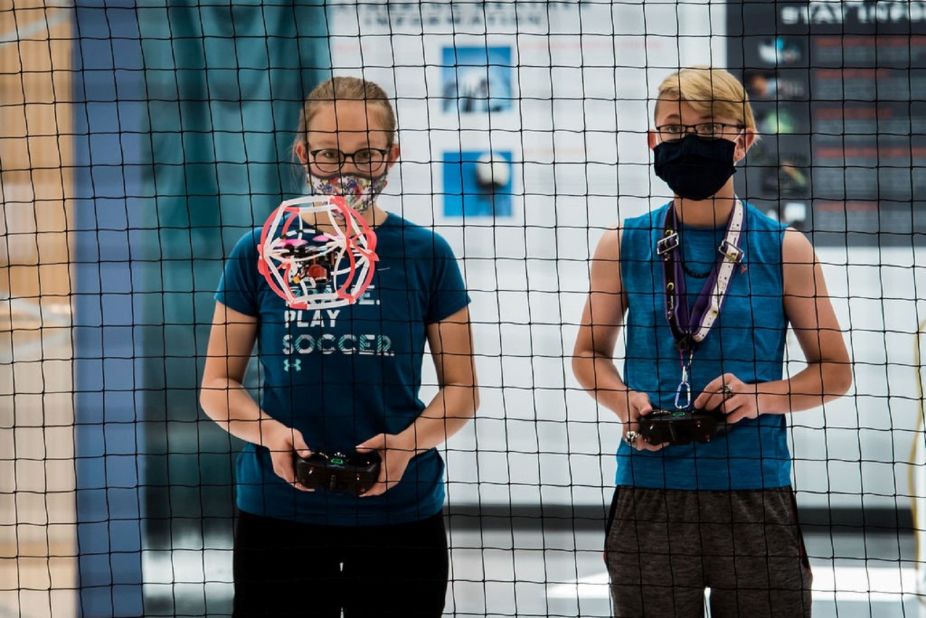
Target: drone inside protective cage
{"points": [[317, 253]]}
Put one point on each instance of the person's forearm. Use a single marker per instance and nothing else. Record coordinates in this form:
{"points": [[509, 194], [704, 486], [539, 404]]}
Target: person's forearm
{"points": [[817, 384], [600, 377], [230, 405], [448, 412]]}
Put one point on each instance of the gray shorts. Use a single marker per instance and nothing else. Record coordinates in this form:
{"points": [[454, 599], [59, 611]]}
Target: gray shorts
{"points": [[665, 546]]}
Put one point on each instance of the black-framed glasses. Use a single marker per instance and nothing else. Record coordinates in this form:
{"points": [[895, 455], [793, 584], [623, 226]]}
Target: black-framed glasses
{"points": [[711, 130], [331, 160]]}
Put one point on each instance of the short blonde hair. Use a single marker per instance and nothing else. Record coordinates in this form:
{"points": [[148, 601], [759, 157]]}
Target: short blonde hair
{"points": [[347, 89], [710, 91]]}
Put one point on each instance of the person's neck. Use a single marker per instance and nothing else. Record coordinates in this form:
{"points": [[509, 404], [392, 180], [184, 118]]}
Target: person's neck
{"points": [[374, 216], [708, 213]]}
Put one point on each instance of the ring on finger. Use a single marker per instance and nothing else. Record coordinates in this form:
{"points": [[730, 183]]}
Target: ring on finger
{"points": [[631, 437], [726, 391]]}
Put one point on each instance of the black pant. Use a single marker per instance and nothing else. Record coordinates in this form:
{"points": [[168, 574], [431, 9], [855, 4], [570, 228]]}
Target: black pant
{"points": [[284, 568]]}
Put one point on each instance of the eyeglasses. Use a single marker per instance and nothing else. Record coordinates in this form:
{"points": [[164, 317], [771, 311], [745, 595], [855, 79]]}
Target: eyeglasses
{"points": [[331, 160], [711, 130]]}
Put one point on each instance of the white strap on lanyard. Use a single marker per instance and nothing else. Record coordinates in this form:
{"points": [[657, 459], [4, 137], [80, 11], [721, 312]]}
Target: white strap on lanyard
{"points": [[732, 255]]}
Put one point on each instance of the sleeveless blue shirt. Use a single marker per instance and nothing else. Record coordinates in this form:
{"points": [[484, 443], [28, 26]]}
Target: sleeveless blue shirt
{"points": [[747, 340]]}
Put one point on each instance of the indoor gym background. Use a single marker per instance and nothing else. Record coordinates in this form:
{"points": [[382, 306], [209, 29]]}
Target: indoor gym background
{"points": [[139, 139]]}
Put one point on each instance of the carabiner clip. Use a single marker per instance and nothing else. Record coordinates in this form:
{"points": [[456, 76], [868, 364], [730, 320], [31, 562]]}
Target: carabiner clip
{"points": [[683, 390]]}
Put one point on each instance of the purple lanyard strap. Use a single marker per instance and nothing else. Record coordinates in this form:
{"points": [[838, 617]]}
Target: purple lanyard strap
{"points": [[690, 327]]}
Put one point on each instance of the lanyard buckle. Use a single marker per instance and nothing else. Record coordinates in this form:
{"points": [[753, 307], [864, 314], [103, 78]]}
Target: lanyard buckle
{"points": [[730, 251], [667, 244]]}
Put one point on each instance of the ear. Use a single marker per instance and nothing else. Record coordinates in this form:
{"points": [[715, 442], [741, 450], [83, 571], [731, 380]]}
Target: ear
{"points": [[300, 151], [651, 139], [393, 156], [743, 143]]}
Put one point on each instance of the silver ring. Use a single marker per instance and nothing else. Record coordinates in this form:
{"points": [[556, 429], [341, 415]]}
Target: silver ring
{"points": [[726, 391], [630, 437]]}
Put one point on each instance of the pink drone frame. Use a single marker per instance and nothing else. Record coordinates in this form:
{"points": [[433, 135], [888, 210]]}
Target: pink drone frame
{"points": [[280, 241]]}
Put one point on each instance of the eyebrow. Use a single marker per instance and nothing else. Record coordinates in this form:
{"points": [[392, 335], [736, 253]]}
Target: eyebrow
{"points": [[332, 140], [677, 119]]}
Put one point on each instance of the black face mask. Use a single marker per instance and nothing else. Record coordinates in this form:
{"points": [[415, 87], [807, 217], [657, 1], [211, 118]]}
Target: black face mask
{"points": [[695, 168]]}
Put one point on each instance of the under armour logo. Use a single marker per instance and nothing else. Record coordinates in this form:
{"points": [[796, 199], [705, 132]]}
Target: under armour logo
{"points": [[296, 365]]}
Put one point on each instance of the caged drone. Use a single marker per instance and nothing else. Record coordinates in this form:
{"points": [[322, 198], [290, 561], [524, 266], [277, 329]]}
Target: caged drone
{"points": [[317, 253]]}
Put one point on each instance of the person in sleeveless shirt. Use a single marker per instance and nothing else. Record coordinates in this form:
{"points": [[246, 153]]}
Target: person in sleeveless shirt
{"points": [[722, 514]]}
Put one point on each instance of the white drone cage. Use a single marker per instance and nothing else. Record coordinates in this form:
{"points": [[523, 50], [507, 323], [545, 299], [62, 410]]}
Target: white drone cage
{"points": [[314, 269]]}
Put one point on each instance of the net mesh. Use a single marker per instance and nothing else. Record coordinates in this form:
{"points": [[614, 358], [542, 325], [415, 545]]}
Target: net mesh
{"points": [[140, 140]]}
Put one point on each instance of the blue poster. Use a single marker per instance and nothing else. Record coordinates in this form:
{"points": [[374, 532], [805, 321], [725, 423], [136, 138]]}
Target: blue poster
{"points": [[478, 183], [476, 79]]}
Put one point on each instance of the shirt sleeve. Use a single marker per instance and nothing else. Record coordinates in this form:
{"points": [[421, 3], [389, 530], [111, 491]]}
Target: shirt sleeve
{"points": [[238, 286], [448, 291]]}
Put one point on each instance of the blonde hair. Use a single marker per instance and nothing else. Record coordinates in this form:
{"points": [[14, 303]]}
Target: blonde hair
{"points": [[346, 89], [709, 91]]}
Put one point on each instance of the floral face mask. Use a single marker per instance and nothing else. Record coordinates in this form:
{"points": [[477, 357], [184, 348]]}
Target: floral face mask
{"points": [[360, 192]]}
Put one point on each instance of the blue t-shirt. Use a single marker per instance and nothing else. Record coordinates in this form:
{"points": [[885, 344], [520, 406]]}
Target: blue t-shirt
{"points": [[748, 340], [341, 376]]}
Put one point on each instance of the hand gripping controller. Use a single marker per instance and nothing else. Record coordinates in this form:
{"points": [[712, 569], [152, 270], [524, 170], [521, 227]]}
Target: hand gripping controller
{"points": [[682, 426], [354, 473]]}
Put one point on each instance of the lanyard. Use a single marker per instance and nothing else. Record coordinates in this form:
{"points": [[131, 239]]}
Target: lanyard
{"points": [[690, 327]]}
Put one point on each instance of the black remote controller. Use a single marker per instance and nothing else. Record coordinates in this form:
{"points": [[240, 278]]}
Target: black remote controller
{"points": [[354, 473], [682, 426]]}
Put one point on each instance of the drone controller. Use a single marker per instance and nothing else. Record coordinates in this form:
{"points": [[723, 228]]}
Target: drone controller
{"points": [[354, 473], [682, 426]]}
